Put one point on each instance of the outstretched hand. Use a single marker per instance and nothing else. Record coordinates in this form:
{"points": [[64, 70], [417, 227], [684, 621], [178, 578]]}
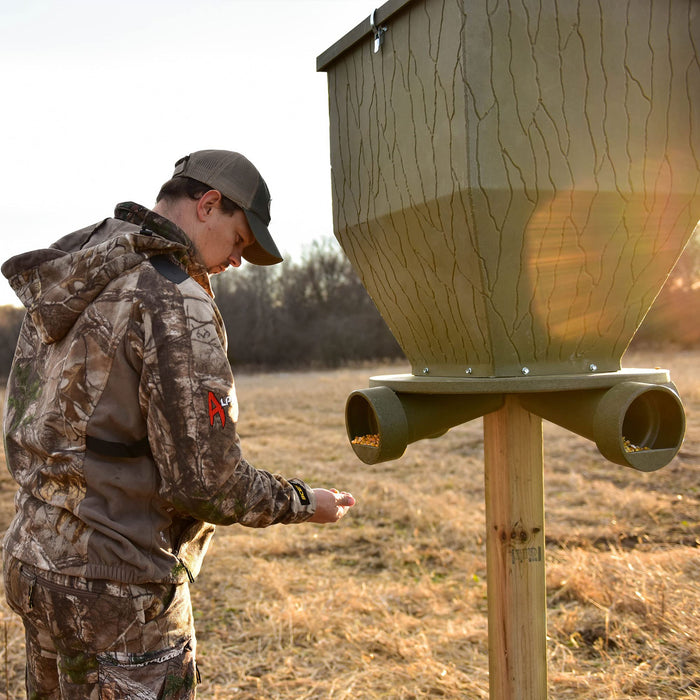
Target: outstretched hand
{"points": [[331, 505]]}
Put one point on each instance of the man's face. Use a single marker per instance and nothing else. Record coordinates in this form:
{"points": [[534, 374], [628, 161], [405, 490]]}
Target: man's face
{"points": [[224, 239]]}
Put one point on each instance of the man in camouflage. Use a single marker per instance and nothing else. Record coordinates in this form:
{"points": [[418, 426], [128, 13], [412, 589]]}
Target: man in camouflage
{"points": [[120, 429]]}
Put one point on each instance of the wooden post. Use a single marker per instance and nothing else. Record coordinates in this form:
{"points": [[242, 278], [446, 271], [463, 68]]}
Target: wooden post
{"points": [[515, 554]]}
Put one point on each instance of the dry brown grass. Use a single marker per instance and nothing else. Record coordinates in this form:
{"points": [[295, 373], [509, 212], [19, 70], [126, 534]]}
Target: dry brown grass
{"points": [[391, 603]]}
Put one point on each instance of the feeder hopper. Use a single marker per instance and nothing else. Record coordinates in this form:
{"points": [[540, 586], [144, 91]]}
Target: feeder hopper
{"points": [[514, 182]]}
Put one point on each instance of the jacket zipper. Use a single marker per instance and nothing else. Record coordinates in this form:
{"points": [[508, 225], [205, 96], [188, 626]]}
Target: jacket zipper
{"points": [[52, 586], [185, 567]]}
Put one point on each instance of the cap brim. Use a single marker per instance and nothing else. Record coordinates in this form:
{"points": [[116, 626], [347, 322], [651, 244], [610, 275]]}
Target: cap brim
{"points": [[263, 251]]}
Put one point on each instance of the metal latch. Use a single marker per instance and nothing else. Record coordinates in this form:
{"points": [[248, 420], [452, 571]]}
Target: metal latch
{"points": [[377, 31]]}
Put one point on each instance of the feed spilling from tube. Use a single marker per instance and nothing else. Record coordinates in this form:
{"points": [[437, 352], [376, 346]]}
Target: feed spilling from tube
{"points": [[381, 423], [634, 424]]}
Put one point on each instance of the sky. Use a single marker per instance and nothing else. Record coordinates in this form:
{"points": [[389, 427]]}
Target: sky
{"points": [[101, 97]]}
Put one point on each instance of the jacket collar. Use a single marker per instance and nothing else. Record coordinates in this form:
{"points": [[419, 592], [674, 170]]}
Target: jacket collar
{"points": [[153, 223], [150, 222]]}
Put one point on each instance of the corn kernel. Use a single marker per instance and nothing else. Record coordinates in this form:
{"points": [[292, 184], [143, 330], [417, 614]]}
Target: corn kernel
{"points": [[629, 447], [369, 440]]}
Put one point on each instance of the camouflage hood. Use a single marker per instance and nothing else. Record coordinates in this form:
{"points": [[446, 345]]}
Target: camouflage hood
{"points": [[56, 287], [57, 284]]}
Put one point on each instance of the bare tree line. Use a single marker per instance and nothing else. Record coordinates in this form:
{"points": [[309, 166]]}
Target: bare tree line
{"points": [[302, 314]]}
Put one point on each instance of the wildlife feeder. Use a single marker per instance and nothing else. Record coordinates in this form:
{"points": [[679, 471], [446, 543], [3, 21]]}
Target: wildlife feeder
{"points": [[514, 182]]}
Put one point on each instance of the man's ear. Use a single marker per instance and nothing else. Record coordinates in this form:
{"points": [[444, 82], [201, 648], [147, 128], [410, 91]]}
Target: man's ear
{"points": [[207, 203]]}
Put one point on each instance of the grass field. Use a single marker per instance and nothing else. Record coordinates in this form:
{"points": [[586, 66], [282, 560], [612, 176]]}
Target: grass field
{"points": [[391, 602]]}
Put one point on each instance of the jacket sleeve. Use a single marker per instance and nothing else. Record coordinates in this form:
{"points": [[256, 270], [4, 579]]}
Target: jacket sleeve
{"points": [[189, 400]]}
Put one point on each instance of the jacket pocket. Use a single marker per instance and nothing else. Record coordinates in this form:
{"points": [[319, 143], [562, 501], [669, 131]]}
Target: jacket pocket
{"points": [[19, 587], [166, 674]]}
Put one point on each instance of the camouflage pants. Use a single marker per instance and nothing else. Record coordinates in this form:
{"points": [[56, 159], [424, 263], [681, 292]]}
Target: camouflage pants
{"points": [[99, 640]]}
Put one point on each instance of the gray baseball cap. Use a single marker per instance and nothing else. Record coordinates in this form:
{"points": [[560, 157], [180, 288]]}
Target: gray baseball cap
{"points": [[239, 180]]}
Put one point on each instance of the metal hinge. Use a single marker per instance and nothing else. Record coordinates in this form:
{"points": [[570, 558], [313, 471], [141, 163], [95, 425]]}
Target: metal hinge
{"points": [[377, 31]]}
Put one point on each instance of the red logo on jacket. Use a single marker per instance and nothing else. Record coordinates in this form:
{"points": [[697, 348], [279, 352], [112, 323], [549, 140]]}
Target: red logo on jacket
{"points": [[216, 408]]}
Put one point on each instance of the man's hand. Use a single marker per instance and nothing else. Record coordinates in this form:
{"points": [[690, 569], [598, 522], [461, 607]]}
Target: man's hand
{"points": [[331, 505]]}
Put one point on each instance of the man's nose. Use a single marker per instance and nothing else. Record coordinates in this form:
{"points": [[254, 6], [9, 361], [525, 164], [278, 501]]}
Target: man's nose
{"points": [[235, 260]]}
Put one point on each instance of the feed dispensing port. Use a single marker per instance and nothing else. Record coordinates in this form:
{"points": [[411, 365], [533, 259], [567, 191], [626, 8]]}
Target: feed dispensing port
{"points": [[634, 424], [381, 422]]}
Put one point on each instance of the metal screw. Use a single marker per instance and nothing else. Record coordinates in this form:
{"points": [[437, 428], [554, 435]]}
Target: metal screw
{"points": [[426, 370], [592, 367], [525, 370], [468, 370]]}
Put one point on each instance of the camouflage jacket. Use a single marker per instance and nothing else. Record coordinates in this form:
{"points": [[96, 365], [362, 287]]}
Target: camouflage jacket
{"points": [[120, 415]]}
